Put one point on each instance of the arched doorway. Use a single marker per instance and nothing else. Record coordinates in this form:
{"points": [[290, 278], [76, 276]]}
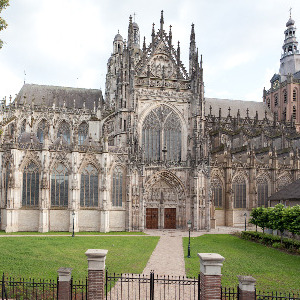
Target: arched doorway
{"points": [[164, 202]]}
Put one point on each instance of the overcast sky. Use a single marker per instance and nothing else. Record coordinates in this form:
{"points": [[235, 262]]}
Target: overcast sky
{"points": [[68, 42]]}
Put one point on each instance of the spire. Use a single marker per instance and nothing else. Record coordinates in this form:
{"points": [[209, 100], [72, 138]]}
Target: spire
{"points": [[192, 38], [153, 34], [170, 35], [178, 52], [290, 58], [144, 44], [130, 32], [162, 22]]}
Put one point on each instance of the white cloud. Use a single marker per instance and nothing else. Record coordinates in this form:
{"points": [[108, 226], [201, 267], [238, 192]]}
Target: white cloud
{"points": [[238, 59]]}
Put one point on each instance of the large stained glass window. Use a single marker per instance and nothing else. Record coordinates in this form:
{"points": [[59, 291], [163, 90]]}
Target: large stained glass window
{"points": [[6, 180], [216, 189], [239, 191], [117, 186], [89, 187], [82, 133], [161, 135], [41, 130], [262, 191], [30, 192], [59, 186], [64, 130]]}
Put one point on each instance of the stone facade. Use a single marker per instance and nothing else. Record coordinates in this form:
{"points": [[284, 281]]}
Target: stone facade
{"points": [[154, 153]]}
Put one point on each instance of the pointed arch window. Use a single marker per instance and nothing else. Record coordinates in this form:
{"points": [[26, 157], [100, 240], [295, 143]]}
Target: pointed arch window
{"points": [[117, 187], [216, 188], [285, 96], [31, 185], [262, 191], [276, 100], [294, 112], [82, 133], [41, 130], [23, 127], [64, 130], [89, 187], [161, 135], [6, 181], [283, 181], [239, 191], [59, 186], [294, 95]]}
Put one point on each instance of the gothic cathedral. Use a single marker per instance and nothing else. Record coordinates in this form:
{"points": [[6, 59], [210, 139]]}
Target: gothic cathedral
{"points": [[153, 152]]}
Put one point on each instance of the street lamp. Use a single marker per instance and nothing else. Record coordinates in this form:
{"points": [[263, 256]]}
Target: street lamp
{"points": [[245, 215], [73, 216], [189, 223]]}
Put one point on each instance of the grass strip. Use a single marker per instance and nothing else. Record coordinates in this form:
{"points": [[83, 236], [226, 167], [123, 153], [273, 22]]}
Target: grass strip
{"points": [[273, 269]]}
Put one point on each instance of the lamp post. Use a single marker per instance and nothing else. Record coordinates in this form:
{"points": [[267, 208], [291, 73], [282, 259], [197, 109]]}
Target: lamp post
{"points": [[189, 223], [73, 216], [245, 215]]}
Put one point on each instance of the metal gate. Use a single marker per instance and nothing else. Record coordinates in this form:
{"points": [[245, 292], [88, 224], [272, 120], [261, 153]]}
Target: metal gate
{"points": [[137, 286]]}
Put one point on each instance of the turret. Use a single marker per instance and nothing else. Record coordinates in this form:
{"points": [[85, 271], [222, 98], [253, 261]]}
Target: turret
{"points": [[118, 44], [290, 58]]}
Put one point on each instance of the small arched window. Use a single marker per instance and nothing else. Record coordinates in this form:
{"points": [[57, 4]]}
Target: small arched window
{"points": [[59, 186], [285, 96], [64, 130], [262, 191], [82, 133], [294, 112], [31, 185], [294, 95], [41, 130], [268, 102], [216, 189], [239, 191], [89, 187], [117, 187], [276, 100]]}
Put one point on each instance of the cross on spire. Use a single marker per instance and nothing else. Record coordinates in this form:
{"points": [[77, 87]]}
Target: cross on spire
{"points": [[290, 12], [134, 14]]}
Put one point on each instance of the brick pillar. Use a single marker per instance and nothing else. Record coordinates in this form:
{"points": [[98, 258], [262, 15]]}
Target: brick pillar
{"points": [[96, 273], [64, 283], [210, 275], [246, 288]]}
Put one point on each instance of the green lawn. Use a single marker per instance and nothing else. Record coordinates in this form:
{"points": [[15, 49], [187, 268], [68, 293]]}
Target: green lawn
{"points": [[273, 270], [41, 257], [2, 232]]}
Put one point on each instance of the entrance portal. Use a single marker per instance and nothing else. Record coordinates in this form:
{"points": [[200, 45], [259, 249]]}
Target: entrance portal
{"points": [[170, 218], [152, 218]]}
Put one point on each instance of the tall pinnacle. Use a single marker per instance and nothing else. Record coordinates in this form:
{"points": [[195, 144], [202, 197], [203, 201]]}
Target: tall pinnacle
{"points": [[162, 22]]}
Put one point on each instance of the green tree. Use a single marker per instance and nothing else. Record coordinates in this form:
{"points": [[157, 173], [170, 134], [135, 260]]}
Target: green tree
{"points": [[292, 219], [254, 217], [277, 219], [3, 24]]}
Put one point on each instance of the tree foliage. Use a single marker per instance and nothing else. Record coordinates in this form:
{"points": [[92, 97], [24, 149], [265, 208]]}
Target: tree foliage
{"points": [[3, 24], [277, 218]]}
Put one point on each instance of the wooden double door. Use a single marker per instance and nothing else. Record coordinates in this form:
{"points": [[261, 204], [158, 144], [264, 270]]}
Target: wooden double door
{"points": [[169, 218]]}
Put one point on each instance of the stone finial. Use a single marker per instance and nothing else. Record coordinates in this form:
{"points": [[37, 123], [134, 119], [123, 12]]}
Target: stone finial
{"points": [[64, 274], [96, 259]]}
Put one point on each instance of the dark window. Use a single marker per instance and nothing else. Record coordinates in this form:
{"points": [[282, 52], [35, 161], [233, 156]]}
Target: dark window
{"points": [[239, 191], [294, 95], [7, 175], [216, 188], [285, 96], [262, 192], [30, 193], [59, 186], [294, 112], [276, 100], [89, 187]]}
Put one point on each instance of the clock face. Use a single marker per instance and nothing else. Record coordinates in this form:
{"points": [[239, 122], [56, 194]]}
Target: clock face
{"points": [[276, 84], [161, 64]]}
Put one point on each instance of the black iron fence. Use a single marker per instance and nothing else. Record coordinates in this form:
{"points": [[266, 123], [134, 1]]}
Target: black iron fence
{"points": [[131, 286], [11, 288], [233, 294], [79, 289]]}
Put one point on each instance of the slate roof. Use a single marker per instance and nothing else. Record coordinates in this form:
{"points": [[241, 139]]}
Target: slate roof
{"points": [[297, 75], [289, 192], [58, 94], [234, 105]]}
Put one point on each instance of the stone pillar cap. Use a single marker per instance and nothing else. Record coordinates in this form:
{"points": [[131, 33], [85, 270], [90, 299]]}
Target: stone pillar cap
{"points": [[64, 271], [211, 257], [246, 279], [96, 252]]}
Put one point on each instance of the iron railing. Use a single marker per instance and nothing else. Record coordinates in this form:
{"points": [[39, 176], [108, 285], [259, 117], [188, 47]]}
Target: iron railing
{"points": [[150, 287], [79, 289], [276, 296], [229, 293]]}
